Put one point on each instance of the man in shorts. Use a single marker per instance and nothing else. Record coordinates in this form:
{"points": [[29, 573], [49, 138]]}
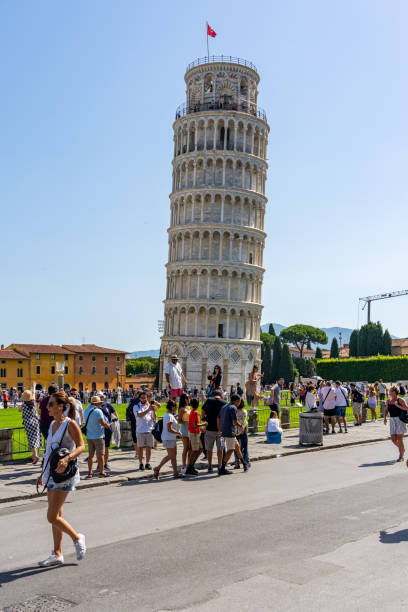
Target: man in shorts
{"points": [[341, 405], [357, 403], [175, 377], [194, 431], [210, 412], [95, 435], [145, 419], [227, 423]]}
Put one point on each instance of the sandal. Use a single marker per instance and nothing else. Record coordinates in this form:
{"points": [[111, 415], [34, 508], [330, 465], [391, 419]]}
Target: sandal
{"points": [[89, 476]]}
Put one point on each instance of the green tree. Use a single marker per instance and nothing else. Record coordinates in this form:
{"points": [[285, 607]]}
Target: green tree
{"points": [[370, 339], [300, 335], [266, 356], [286, 369], [271, 330], [276, 359], [319, 354], [354, 343], [334, 349], [386, 343]]}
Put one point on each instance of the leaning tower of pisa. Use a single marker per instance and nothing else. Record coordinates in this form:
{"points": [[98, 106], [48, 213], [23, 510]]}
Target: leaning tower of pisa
{"points": [[212, 310]]}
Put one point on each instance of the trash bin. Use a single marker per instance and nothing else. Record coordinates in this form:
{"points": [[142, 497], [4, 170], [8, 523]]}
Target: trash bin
{"points": [[311, 428]]}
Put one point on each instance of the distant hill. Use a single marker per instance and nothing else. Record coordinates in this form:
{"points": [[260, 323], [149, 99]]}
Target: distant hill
{"points": [[137, 354], [330, 331]]}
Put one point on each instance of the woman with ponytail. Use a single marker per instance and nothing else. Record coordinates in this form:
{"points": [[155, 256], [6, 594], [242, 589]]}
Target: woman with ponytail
{"points": [[64, 433]]}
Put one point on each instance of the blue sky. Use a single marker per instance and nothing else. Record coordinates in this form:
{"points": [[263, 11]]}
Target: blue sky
{"points": [[89, 90]]}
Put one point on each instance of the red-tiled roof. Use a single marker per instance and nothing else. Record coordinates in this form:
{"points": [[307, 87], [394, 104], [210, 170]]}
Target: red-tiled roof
{"points": [[91, 348], [11, 354], [39, 348]]}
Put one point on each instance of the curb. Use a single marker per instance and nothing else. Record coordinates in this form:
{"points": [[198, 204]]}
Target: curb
{"points": [[118, 479]]}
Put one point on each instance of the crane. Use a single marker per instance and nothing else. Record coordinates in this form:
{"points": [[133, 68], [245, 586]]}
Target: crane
{"points": [[382, 296]]}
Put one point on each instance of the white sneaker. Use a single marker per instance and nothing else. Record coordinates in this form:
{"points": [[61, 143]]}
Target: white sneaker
{"points": [[80, 547], [53, 559]]}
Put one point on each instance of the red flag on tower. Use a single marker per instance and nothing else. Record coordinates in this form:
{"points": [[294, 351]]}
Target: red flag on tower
{"points": [[211, 32]]}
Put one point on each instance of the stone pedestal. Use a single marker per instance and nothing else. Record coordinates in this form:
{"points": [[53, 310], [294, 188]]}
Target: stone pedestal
{"points": [[253, 421], [383, 403], [364, 413], [285, 418], [125, 434], [6, 444]]}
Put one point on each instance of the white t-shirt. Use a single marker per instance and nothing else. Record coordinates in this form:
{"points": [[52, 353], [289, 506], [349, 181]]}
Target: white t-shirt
{"points": [[310, 401], [144, 424], [174, 372], [169, 418], [341, 396], [273, 426], [382, 388]]}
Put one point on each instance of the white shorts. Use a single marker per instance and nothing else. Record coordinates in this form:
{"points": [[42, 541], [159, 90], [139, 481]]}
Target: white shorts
{"points": [[169, 443], [397, 427]]}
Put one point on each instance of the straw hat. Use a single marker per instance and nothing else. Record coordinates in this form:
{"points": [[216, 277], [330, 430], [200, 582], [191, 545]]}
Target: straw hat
{"points": [[96, 399], [27, 396]]}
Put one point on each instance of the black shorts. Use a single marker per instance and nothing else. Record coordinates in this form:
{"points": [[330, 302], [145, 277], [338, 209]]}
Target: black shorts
{"points": [[329, 413], [108, 437]]}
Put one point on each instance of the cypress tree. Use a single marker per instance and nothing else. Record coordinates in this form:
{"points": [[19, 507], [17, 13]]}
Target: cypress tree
{"points": [[266, 356], [319, 354], [271, 330], [276, 359], [286, 369], [334, 349], [386, 343], [354, 343]]}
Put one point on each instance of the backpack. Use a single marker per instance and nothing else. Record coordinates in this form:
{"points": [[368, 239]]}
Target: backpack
{"points": [[402, 390], [358, 398], [158, 430]]}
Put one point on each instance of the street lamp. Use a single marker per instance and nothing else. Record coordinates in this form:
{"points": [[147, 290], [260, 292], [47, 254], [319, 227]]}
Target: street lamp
{"points": [[160, 326], [117, 376]]}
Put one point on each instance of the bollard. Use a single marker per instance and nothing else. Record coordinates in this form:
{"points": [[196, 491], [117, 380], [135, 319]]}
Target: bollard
{"points": [[253, 421], [285, 418], [382, 408], [364, 413], [6, 444], [125, 434]]}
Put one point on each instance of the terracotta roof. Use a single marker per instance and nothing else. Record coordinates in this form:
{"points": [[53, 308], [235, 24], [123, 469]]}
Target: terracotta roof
{"points": [[11, 354], [91, 348], [39, 348]]}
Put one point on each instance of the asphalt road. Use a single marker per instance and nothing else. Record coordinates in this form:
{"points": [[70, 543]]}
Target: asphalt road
{"points": [[321, 531]]}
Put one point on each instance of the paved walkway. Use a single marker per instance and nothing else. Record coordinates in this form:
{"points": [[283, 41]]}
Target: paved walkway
{"points": [[17, 480]]}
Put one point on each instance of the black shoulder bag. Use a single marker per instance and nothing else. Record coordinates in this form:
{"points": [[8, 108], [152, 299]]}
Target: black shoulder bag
{"points": [[83, 428], [403, 414]]}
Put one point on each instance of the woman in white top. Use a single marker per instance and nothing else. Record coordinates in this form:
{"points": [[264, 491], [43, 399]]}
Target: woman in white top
{"points": [[64, 432], [329, 407], [273, 425], [310, 401], [170, 434]]}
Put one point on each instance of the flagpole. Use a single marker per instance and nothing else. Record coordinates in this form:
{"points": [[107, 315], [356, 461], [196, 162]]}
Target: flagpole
{"points": [[208, 48]]}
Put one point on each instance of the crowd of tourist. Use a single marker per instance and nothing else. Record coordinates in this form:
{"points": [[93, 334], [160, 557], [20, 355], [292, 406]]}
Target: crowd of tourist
{"points": [[222, 423]]}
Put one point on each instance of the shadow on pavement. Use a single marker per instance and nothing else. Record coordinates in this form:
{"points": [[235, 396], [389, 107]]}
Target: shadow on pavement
{"points": [[394, 538], [26, 572], [378, 463]]}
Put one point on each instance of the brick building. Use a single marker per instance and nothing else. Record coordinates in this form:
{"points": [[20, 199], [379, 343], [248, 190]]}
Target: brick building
{"points": [[85, 366], [96, 367]]}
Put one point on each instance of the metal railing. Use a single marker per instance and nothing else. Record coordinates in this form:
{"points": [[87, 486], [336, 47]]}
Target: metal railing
{"points": [[224, 59], [249, 109], [20, 442]]}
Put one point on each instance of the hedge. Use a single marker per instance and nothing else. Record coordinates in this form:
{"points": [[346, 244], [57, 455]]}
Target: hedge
{"points": [[389, 369]]}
